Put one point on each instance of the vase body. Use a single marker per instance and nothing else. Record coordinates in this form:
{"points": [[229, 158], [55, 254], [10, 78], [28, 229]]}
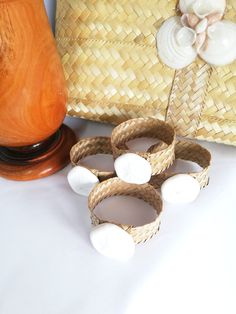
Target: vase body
{"points": [[32, 94], [32, 86]]}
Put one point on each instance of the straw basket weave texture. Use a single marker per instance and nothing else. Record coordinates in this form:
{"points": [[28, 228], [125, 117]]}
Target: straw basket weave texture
{"points": [[109, 54]]}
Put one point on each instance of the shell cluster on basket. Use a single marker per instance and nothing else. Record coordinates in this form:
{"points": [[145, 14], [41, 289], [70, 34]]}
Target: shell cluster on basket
{"points": [[199, 31], [141, 174]]}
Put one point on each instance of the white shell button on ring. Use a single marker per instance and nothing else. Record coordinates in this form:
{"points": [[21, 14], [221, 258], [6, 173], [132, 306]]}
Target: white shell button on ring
{"points": [[112, 241], [132, 168], [82, 180], [180, 189]]}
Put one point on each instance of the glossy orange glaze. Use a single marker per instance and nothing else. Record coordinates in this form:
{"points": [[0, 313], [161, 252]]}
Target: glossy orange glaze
{"points": [[32, 85]]}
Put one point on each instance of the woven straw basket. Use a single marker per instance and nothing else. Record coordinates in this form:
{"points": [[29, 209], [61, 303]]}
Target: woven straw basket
{"points": [[110, 58]]}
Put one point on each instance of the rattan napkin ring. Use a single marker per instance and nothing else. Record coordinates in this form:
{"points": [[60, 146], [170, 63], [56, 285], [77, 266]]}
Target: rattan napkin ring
{"points": [[189, 151], [84, 148], [116, 187], [160, 157]]}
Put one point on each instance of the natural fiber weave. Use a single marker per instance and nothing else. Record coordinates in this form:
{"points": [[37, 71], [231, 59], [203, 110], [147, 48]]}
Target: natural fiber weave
{"points": [[162, 156], [189, 151], [115, 187], [187, 98], [109, 54], [92, 146]]}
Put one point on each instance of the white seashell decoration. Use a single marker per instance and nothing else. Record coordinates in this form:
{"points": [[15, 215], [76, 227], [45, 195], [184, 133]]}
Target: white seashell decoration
{"points": [[82, 180], [112, 241], [185, 37], [132, 168], [201, 31], [202, 8], [221, 45], [180, 189], [202, 26], [174, 43]]}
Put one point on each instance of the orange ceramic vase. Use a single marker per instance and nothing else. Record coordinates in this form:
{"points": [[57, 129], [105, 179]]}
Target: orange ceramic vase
{"points": [[32, 94]]}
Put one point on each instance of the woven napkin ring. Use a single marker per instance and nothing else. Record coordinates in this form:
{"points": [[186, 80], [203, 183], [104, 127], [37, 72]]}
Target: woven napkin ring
{"points": [[185, 187], [81, 178], [118, 240], [158, 159]]}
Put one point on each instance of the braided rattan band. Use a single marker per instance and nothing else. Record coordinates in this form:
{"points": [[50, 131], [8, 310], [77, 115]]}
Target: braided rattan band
{"points": [[162, 156], [187, 98], [89, 147], [189, 151], [146, 192]]}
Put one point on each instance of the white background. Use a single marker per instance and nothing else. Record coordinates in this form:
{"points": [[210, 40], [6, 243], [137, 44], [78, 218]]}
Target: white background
{"points": [[47, 265]]}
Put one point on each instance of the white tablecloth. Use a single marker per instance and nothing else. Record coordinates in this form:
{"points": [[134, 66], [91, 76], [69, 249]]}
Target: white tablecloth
{"points": [[47, 265]]}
